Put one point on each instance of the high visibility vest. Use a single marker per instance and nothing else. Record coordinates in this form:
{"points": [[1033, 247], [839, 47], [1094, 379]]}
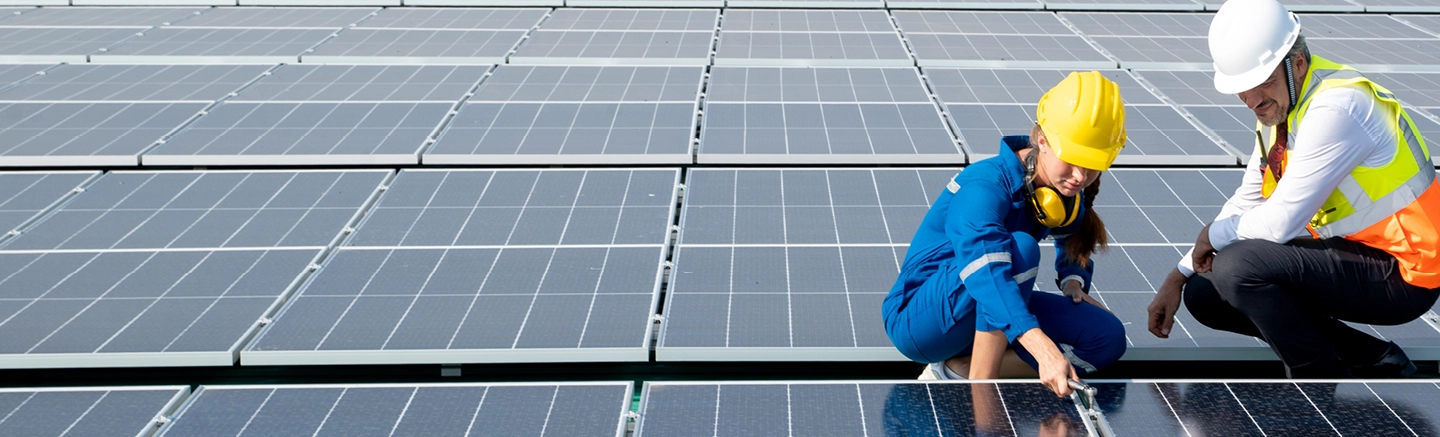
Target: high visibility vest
{"points": [[1393, 207]]}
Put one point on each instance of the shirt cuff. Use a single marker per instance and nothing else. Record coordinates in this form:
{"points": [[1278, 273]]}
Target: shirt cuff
{"points": [[1186, 266], [1223, 232], [1075, 278]]}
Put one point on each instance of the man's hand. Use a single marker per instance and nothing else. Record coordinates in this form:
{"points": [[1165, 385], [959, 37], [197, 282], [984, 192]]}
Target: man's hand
{"points": [[1203, 253], [1166, 302], [1072, 290]]}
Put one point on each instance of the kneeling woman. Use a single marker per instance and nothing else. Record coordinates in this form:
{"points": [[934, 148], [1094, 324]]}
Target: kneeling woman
{"points": [[964, 301]]}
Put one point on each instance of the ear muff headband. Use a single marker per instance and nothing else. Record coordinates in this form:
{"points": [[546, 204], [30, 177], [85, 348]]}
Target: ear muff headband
{"points": [[1051, 209]]}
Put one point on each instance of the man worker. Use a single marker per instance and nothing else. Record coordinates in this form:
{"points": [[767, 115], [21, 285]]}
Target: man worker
{"points": [[1335, 219]]}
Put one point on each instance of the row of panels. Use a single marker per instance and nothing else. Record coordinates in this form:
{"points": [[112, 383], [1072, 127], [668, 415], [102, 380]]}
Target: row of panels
{"points": [[459, 266], [296, 115], [1019, 408], [748, 37], [1377, 6]]}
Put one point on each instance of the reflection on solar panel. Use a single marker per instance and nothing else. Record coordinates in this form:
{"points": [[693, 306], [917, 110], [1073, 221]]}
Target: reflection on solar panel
{"points": [[57, 44], [174, 45], [823, 115], [87, 410], [363, 83], [135, 83], [790, 264], [856, 408], [24, 196], [1141, 24], [520, 266], [455, 19], [253, 17], [304, 133], [174, 210], [591, 409], [1257, 408], [100, 17], [416, 46], [574, 115], [86, 134]]}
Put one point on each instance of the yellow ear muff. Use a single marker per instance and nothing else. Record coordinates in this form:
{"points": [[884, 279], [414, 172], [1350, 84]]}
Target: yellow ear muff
{"points": [[1054, 210]]}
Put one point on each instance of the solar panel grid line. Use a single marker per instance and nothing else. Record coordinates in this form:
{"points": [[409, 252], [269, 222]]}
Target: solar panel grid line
{"points": [[217, 45], [32, 45], [27, 222], [160, 84], [439, 46], [1034, 5], [1398, 6], [1126, 5], [108, 17], [104, 134], [485, 3], [112, 3], [265, 17]]}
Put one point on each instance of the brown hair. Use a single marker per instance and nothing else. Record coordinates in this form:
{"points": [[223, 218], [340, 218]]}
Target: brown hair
{"points": [[1090, 237]]}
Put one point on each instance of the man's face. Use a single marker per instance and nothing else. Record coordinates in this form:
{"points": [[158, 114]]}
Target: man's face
{"points": [[1271, 99]]}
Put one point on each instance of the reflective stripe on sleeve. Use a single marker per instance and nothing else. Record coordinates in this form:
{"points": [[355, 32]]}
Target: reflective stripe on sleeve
{"points": [[982, 261]]}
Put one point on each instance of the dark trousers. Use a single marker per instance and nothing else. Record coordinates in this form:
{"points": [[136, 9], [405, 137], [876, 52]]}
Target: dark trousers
{"points": [[1295, 295]]}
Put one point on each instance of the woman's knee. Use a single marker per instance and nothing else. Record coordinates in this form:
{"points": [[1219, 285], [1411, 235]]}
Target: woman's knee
{"points": [[1026, 251]]}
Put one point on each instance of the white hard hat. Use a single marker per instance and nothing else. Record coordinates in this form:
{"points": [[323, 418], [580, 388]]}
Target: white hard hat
{"points": [[1248, 38]]}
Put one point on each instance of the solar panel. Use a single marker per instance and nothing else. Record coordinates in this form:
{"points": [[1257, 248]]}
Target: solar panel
{"points": [[455, 19], [981, 23], [1424, 119], [1234, 125], [966, 4], [579, 114], [614, 48], [1385, 6], [591, 409], [1358, 26], [1124, 5], [789, 265], [57, 44], [806, 3], [1017, 86], [1188, 87], [24, 196], [263, 17], [1303, 5], [416, 46], [99, 17], [1381, 54], [1413, 89], [86, 134], [522, 266], [320, 3], [363, 83], [856, 408], [175, 45], [11, 75], [1163, 206], [1156, 134], [135, 83], [87, 410], [648, 3], [812, 49], [306, 133], [484, 3], [198, 210], [655, 20], [1428, 23], [1259, 408], [1141, 24], [1161, 52], [822, 115], [1001, 51]]}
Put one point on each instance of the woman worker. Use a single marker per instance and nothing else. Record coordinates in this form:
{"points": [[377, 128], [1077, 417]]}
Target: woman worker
{"points": [[964, 300]]}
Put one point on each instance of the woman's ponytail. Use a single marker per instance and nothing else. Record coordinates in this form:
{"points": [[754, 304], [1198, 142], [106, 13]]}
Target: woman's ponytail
{"points": [[1090, 236]]}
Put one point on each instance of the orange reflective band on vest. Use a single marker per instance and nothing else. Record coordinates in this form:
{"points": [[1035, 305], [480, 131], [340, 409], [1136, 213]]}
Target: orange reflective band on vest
{"points": [[1393, 207]]}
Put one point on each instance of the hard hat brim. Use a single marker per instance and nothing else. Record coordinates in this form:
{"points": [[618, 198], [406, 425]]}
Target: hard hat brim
{"points": [[1081, 156], [1239, 83]]}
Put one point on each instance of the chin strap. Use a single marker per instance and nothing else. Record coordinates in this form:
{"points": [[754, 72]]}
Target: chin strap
{"points": [[1290, 84]]}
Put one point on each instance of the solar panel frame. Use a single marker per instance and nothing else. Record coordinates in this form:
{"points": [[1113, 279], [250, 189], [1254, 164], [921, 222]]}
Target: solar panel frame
{"points": [[634, 20], [463, 3], [818, 4], [981, 23], [1303, 5], [455, 18], [309, 133], [1124, 5], [278, 344], [1400, 6], [134, 83], [1240, 407], [814, 49], [152, 2], [320, 2], [106, 417], [835, 297], [117, 139], [557, 47], [967, 4], [646, 3], [87, 17], [195, 45], [434, 46], [512, 414], [34, 45]]}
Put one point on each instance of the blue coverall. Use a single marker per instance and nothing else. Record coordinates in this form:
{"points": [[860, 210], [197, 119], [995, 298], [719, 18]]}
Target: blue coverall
{"points": [[972, 266]]}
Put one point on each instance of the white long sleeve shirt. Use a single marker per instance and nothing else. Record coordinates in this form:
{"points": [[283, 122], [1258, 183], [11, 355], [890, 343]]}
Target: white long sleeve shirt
{"points": [[1343, 128]]}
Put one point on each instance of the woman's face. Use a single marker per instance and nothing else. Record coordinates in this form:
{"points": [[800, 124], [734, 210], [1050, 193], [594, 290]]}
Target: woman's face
{"points": [[1065, 178]]}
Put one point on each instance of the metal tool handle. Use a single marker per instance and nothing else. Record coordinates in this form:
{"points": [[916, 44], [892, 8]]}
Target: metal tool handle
{"points": [[1085, 392]]}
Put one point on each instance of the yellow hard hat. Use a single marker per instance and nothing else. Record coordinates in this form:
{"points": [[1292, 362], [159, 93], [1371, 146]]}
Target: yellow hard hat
{"points": [[1083, 119]]}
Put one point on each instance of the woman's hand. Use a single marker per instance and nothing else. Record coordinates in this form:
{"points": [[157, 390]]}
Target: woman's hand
{"points": [[1055, 371], [1077, 294]]}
